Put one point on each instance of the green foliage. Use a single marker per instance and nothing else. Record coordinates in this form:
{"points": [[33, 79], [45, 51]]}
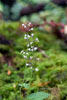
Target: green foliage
{"points": [[17, 80]]}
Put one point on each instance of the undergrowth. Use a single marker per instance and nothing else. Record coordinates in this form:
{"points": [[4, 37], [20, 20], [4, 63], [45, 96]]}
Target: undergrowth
{"points": [[52, 75]]}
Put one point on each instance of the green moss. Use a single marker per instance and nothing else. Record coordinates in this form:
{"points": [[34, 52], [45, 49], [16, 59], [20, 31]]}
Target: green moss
{"points": [[52, 69]]}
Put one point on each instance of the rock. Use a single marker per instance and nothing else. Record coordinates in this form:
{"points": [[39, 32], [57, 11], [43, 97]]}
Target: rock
{"points": [[62, 3]]}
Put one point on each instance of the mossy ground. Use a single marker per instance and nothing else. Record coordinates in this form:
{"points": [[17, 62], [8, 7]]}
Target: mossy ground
{"points": [[52, 69]]}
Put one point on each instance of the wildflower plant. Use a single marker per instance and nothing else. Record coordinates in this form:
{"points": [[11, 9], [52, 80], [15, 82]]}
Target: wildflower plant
{"points": [[31, 62], [31, 47]]}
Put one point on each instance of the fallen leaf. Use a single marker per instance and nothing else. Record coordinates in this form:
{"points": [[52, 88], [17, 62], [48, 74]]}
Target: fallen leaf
{"points": [[9, 72]]}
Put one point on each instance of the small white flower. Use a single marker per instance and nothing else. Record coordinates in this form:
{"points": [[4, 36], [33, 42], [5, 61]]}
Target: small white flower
{"points": [[37, 39], [32, 50], [28, 36], [27, 64], [36, 69], [25, 57], [32, 47], [32, 34], [31, 29], [31, 67], [28, 45], [31, 57], [65, 29], [25, 35], [21, 52], [29, 49], [31, 42], [25, 38], [29, 23], [22, 24], [35, 48], [27, 53]]}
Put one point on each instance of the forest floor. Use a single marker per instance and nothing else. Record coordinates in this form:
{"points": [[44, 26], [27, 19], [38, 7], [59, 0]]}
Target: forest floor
{"points": [[52, 74]]}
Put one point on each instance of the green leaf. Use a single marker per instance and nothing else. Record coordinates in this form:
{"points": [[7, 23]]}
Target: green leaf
{"points": [[38, 96]]}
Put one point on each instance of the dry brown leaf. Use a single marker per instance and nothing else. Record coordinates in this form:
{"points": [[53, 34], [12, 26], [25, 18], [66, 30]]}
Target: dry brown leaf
{"points": [[41, 84], [9, 72]]}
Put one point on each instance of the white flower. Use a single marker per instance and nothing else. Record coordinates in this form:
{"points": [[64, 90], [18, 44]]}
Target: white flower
{"points": [[29, 49], [32, 34], [32, 50], [31, 29], [31, 57], [29, 23], [25, 56], [25, 38], [32, 47], [28, 45], [27, 53], [65, 29], [31, 67], [35, 48], [37, 39], [27, 64], [31, 42], [28, 36], [21, 52], [25, 35], [36, 69], [22, 24]]}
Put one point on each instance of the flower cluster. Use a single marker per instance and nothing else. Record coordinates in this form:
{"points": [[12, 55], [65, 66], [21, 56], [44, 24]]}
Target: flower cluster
{"points": [[30, 48]]}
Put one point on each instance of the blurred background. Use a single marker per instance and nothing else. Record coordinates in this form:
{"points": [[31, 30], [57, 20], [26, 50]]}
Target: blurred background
{"points": [[32, 10]]}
